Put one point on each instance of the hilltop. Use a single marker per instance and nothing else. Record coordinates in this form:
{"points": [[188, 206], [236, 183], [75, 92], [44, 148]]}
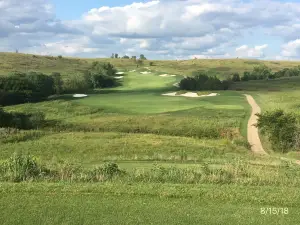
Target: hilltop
{"points": [[68, 65]]}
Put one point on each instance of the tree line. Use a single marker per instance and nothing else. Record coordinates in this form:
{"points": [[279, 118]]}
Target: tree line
{"points": [[116, 56], [20, 87], [262, 72], [200, 81]]}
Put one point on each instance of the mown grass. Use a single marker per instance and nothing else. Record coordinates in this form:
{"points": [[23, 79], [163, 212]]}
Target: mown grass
{"points": [[145, 204]]}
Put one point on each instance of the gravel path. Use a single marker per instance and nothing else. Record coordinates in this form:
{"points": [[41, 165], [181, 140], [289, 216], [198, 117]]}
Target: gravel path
{"points": [[253, 136]]}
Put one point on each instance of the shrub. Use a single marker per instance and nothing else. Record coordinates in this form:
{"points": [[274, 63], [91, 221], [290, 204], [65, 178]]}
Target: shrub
{"points": [[21, 120], [60, 57], [20, 168], [151, 63], [280, 127]]}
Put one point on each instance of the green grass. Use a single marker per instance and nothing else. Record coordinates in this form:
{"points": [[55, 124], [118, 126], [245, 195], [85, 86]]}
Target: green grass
{"points": [[145, 204], [162, 142]]}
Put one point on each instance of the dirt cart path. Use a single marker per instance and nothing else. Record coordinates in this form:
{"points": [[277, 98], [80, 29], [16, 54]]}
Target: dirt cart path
{"points": [[253, 136]]}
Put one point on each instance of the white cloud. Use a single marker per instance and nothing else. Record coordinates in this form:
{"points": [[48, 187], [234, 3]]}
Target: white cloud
{"points": [[291, 49], [165, 28], [248, 52]]}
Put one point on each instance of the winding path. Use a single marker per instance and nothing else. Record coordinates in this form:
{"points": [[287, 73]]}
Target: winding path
{"points": [[252, 131]]}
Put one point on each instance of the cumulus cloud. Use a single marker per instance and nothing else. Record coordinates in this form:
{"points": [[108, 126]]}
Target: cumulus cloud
{"points": [[248, 52], [291, 49], [165, 28]]}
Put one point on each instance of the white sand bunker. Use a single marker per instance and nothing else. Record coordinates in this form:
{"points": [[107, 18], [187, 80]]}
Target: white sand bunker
{"points": [[191, 94], [132, 71], [120, 77], [146, 72], [167, 75], [119, 73], [79, 95]]}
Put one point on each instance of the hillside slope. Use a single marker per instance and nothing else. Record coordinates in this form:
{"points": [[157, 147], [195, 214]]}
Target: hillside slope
{"points": [[66, 65]]}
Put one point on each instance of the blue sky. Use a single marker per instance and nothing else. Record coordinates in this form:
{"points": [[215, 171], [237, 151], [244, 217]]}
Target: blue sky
{"points": [[78, 7], [164, 29]]}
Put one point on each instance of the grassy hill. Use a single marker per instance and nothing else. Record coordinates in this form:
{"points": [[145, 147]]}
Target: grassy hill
{"points": [[186, 160], [67, 66]]}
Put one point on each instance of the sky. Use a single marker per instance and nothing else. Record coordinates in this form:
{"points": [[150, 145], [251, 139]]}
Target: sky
{"points": [[159, 29]]}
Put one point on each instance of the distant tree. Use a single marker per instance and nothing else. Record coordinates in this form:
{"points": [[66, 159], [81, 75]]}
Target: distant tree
{"points": [[201, 81], [261, 72], [236, 77], [17, 51], [246, 76], [60, 57], [133, 57], [116, 55], [142, 57], [112, 56], [125, 57]]}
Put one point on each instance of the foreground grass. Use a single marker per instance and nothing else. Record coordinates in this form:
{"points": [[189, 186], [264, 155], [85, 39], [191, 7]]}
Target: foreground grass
{"points": [[47, 203]]}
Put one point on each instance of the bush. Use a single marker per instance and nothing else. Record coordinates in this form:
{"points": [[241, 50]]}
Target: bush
{"points": [[21, 120], [60, 57], [151, 63], [280, 127]]}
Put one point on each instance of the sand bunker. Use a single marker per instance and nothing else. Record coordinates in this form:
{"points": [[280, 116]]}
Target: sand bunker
{"points": [[146, 72], [191, 94], [167, 75], [176, 85], [120, 77], [132, 71], [119, 73], [79, 95]]}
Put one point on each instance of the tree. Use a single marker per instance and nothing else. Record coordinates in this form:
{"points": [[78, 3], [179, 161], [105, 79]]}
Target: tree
{"points": [[112, 56], [246, 76], [125, 57], [133, 57], [42, 85], [261, 72], [57, 83], [201, 81], [142, 57], [236, 77], [116, 55]]}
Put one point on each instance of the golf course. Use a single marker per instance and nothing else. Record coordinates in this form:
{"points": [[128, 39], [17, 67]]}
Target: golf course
{"points": [[191, 157]]}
